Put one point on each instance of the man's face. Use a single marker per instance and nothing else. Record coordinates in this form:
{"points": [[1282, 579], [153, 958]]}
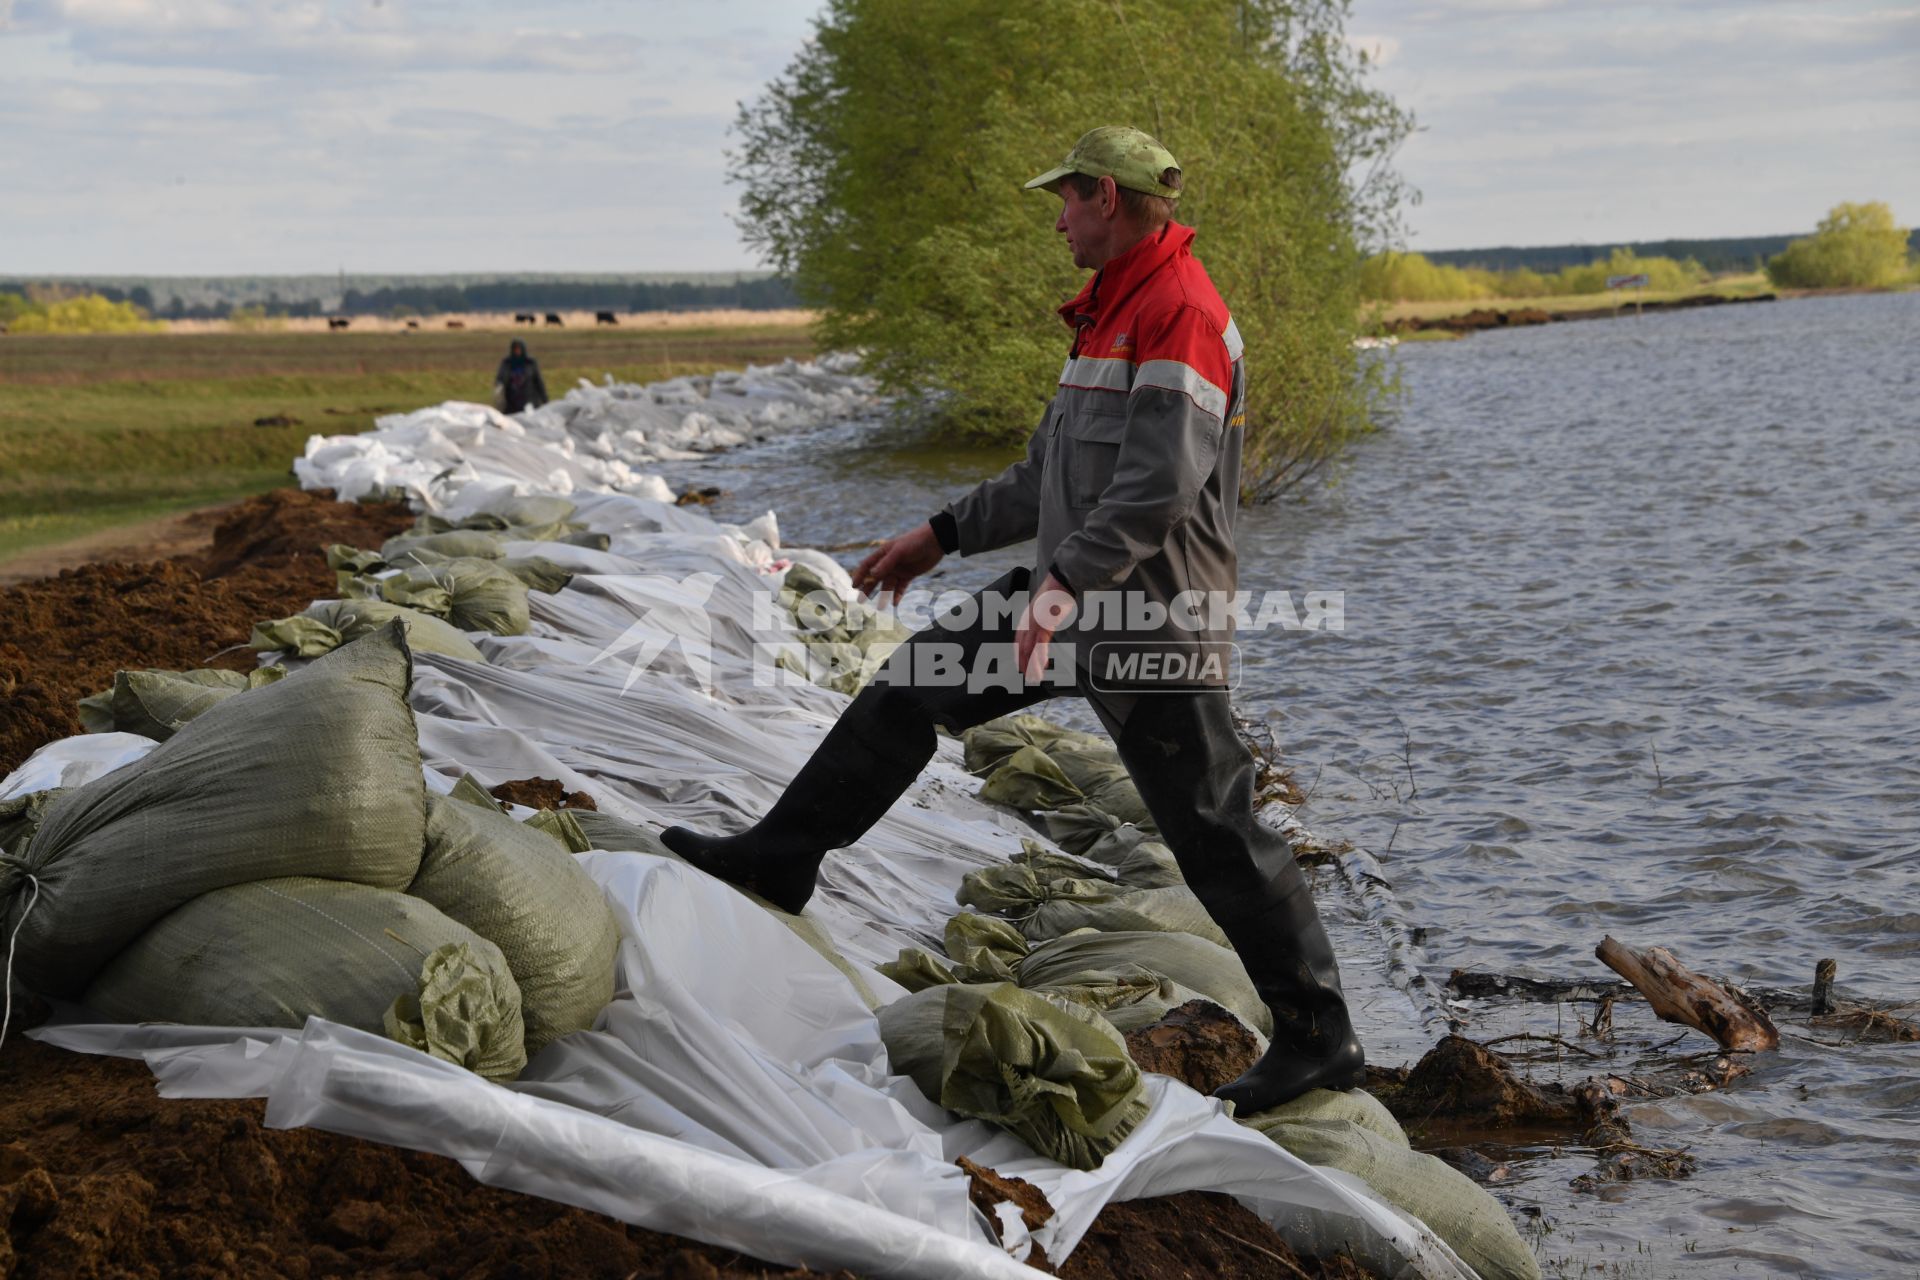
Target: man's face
{"points": [[1088, 223]]}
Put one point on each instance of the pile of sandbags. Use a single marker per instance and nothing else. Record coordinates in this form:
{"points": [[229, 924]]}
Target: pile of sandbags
{"points": [[278, 856], [1032, 764], [322, 627], [1131, 977]]}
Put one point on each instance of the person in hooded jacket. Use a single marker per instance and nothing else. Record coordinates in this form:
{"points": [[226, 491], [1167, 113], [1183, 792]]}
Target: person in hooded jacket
{"points": [[518, 384]]}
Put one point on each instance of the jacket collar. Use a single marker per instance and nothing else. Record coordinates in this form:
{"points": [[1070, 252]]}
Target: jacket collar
{"points": [[1113, 283]]}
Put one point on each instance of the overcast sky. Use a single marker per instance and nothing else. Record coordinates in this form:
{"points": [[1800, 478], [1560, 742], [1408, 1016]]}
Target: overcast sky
{"points": [[265, 136]]}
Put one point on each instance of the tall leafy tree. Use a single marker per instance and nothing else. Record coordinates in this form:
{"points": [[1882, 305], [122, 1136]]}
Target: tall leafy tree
{"points": [[882, 172], [1855, 245]]}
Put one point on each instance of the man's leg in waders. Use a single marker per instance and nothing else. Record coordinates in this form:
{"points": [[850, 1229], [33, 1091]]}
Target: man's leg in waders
{"points": [[874, 751], [1196, 777]]}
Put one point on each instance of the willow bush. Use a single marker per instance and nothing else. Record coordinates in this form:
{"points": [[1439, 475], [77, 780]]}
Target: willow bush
{"points": [[882, 172], [1856, 246]]}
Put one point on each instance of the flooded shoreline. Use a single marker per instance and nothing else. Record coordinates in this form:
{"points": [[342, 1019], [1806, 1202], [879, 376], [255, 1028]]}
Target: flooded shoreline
{"points": [[1625, 610]]}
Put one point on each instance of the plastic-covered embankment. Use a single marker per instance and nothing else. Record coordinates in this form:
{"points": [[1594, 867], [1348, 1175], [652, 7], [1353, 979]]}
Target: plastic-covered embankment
{"points": [[736, 1090]]}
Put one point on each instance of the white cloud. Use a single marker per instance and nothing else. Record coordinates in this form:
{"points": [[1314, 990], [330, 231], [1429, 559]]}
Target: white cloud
{"points": [[1624, 122], [305, 36], [1377, 49]]}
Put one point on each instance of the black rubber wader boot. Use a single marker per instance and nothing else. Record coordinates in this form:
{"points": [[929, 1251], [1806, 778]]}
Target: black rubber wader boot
{"points": [[1196, 777], [868, 759]]}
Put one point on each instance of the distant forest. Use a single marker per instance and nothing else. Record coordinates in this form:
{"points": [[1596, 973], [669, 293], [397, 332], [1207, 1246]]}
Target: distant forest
{"points": [[217, 297], [1744, 253]]}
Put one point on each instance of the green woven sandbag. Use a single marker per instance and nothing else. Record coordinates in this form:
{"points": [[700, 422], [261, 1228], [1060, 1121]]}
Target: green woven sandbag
{"points": [[345, 559], [156, 703], [984, 949], [1047, 905], [1016, 890], [520, 890], [1035, 764], [1353, 1132], [473, 595], [1195, 964], [1028, 780], [621, 836], [988, 745], [1136, 857], [561, 826], [272, 953], [1169, 910], [463, 544], [317, 774], [916, 970], [1052, 1074], [1078, 827], [1129, 996], [538, 573], [328, 624]]}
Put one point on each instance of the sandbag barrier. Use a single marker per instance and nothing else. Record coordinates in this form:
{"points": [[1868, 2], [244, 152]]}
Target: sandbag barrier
{"points": [[733, 1055]]}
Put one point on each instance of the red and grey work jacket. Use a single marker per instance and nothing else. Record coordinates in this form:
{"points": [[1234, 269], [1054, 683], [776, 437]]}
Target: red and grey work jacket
{"points": [[1131, 482]]}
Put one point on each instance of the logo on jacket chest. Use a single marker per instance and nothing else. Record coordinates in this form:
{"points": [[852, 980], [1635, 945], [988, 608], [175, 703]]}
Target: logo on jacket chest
{"points": [[1122, 346]]}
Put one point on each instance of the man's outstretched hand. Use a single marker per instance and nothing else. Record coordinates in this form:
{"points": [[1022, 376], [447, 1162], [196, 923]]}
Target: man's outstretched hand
{"points": [[1047, 611], [898, 561]]}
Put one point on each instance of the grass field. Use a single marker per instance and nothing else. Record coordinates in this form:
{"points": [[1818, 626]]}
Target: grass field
{"points": [[1732, 286], [103, 430]]}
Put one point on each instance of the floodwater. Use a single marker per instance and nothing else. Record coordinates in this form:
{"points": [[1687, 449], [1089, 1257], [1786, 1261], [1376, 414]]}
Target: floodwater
{"points": [[1632, 610]]}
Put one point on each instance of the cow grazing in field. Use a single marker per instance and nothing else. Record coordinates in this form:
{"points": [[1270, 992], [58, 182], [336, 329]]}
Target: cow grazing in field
{"points": [[338, 322], [456, 324], [604, 317], [555, 321], [413, 324], [525, 317]]}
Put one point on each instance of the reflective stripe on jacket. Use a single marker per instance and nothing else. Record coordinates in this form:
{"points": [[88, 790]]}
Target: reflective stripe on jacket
{"points": [[1131, 482]]}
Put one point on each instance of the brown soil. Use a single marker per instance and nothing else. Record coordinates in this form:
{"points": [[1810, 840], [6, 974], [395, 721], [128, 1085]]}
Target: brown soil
{"points": [[542, 793], [102, 1178], [1461, 1080], [1199, 1044], [1197, 1235], [65, 636], [99, 1177]]}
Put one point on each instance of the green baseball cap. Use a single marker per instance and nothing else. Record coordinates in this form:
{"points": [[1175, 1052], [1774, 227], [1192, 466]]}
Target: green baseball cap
{"points": [[1131, 158]]}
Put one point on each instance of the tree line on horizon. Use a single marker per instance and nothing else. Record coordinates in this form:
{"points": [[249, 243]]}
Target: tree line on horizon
{"points": [[765, 293], [1855, 246]]}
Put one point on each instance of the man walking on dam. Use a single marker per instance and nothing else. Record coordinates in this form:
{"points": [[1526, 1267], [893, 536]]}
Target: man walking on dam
{"points": [[1130, 486]]}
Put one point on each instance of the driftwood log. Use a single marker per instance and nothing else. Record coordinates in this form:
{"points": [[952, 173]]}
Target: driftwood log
{"points": [[1680, 995]]}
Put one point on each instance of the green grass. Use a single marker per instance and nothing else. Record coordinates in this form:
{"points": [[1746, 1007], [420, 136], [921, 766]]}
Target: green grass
{"points": [[103, 430], [1729, 286]]}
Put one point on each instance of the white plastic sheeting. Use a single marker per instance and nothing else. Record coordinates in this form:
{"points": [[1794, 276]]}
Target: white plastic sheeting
{"points": [[736, 1090], [591, 440]]}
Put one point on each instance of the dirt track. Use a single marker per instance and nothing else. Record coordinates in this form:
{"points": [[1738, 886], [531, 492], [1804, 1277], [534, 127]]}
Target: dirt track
{"points": [[99, 1177]]}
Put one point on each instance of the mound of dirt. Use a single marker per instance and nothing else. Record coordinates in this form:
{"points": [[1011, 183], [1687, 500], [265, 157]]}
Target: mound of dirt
{"points": [[1199, 1044], [66, 636]]}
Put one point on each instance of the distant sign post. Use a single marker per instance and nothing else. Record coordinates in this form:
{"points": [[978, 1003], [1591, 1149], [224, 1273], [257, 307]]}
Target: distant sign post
{"points": [[1629, 282]]}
